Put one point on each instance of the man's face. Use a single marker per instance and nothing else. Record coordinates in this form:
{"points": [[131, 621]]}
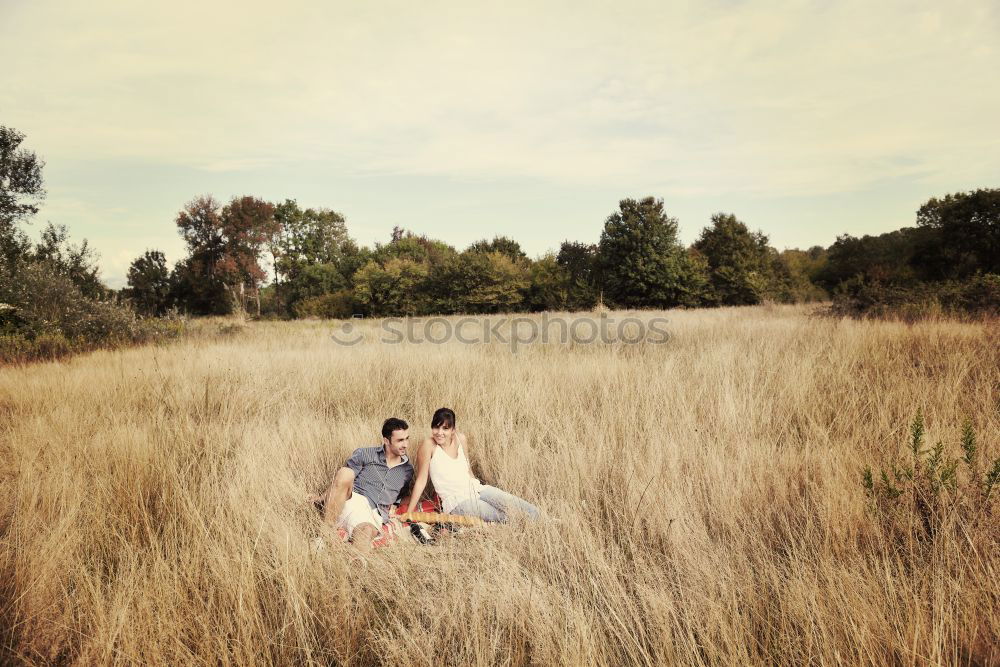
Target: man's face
{"points": [[398, 442]]}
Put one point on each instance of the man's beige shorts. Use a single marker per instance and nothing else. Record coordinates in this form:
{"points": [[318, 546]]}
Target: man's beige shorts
{"points": [[356, 512]]}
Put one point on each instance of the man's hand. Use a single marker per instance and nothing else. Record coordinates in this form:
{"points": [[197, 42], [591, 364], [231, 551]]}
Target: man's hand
{"points": [[403, 502]]}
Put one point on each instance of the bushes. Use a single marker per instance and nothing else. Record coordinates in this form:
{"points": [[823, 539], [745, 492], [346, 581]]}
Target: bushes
{"points": [[45, 316], [978, 296], [46, 302], [928, 492], [338, 305], [17, 348]]}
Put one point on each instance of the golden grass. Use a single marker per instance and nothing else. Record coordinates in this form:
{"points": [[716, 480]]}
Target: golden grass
{"points": [[708, 492]]}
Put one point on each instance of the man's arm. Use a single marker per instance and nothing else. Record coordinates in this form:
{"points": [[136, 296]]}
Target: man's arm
{"points": [[404, 493]]}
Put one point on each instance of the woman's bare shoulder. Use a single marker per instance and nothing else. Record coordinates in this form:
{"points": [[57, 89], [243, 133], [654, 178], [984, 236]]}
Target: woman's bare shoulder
{"points": [[426, 447]]}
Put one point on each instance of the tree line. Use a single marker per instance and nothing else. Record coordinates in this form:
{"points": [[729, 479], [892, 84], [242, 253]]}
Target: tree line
{"points": [[317, 269], [949, 261], [283, 260]]}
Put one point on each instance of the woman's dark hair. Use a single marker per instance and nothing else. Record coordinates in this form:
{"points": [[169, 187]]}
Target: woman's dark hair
{"points": [[443, 417]]}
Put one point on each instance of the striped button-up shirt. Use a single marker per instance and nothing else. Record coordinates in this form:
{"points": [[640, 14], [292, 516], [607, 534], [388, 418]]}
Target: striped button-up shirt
{"points": [[377, 482]]}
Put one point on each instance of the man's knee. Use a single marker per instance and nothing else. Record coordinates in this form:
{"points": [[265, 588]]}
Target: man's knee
{"points": [[364, 534], [344, 478]]}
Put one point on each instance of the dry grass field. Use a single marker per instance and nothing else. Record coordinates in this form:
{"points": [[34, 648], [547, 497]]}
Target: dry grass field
{"points": [[705, 493]]}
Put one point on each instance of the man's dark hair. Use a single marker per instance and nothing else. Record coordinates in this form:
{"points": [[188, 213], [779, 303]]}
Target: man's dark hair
{"points": [[443, 417], [393, 424]]}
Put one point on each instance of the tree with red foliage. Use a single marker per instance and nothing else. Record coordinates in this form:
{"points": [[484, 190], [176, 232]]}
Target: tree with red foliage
{"points": [[225, 247]]}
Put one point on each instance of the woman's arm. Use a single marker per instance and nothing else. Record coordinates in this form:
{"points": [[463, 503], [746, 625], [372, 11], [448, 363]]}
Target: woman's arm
{"points": [[464, 444], [423, 472]]}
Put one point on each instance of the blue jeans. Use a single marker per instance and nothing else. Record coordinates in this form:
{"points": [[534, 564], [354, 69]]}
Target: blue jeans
{"points": [[494, 504]]}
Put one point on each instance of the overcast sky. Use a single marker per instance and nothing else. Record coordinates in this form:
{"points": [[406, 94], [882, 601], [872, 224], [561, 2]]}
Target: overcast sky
{"points": [[466, 120]]}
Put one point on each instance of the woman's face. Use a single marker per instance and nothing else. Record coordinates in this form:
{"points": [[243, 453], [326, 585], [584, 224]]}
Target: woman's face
{"points": [[442, 434]]}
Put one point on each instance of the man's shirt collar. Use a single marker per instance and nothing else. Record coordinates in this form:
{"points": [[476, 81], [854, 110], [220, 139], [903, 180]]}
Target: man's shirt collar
{"points": [[381, 458]]}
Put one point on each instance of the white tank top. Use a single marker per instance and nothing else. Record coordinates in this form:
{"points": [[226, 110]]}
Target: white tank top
{"points": [[452, 480]]}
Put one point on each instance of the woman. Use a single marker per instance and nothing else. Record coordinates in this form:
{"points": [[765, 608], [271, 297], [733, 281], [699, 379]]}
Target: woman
{"points": [[443, 458]]}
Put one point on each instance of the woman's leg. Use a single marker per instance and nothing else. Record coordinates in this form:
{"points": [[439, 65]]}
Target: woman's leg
{"points": [[478, 508], [506, 502]]}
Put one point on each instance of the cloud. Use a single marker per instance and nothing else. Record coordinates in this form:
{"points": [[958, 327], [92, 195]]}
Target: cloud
{"points": [[796, 97], [238, 164]]}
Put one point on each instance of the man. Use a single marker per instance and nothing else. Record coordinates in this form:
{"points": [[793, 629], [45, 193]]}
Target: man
{"points": [[372, 480]]}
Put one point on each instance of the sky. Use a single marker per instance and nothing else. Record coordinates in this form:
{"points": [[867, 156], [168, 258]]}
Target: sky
{"points": [[463, 121]]}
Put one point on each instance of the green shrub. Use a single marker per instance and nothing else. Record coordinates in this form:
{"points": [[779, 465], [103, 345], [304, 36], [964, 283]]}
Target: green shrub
{"points": [[918, 496], [45, 316], [46, 302], [977, 296], [14, 348], [154, 329], [336, 306]]}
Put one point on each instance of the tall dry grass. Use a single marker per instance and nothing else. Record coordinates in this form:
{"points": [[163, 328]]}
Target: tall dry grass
{"points": [[707, 490]]}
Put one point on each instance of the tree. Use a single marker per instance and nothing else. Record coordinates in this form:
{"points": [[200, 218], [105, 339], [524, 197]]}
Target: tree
{"points": [[502, 245], [312, 280], [802, 268], [642, 263], [352, 258], [248, 224], [15, 247], [420, 249], [197, 281], [549, 284], [580, 260], [196, 291], [888, 258], [310, 236], [489, 283], [313, 255], [201, 228], [20, 180], [393, 289], [224, 252], [76, 262], [475, 282], [20, 191], [149, 283], [696, 289], [741, 264], [965, 234]]}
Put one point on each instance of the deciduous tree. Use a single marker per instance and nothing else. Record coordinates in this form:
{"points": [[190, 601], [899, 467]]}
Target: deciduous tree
{"points": [[966, 237], [20, 180], [149, 283], [501, 244], [740, 262], [580, 260], [395, 289], [643, 265], [224, 251]]}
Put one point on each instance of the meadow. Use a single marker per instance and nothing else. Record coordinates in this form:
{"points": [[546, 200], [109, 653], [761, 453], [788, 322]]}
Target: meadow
{"points": [[705, 495]]}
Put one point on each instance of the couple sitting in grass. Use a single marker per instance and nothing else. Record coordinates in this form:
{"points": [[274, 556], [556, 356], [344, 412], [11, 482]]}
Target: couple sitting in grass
{"points": [[376, 478]]}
